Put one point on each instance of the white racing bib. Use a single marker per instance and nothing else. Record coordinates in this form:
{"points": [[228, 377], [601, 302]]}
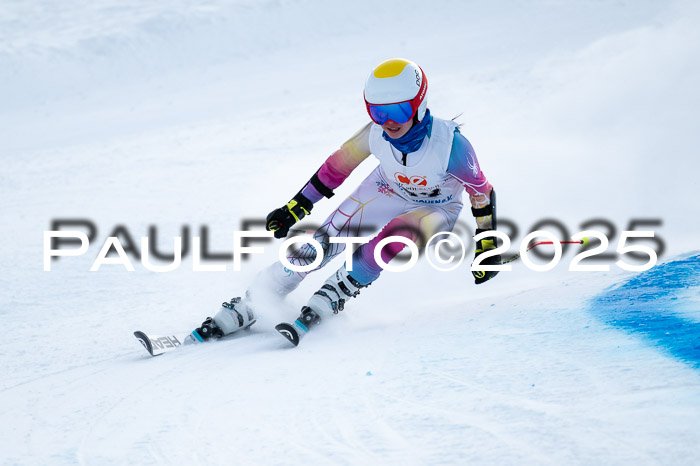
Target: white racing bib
{"points": [[424, 178]]}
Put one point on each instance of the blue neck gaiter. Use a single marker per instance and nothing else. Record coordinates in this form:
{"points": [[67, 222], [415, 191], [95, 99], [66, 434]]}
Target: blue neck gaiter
{"points": [[411, 141]]}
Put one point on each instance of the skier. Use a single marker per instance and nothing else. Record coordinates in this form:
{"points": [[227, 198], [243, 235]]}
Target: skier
{"points": [[425, 164]]}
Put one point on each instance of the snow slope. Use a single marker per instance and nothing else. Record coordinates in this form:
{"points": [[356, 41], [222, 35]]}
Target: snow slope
{"points": [[172, 114]]}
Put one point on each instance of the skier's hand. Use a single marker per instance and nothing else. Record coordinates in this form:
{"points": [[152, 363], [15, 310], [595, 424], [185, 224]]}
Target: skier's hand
{"points": [[281, 220], [480, 276]]}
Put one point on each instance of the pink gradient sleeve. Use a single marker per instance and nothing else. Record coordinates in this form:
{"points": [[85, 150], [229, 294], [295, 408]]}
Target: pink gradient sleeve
{"points": [[464, 166], [341, 163]]}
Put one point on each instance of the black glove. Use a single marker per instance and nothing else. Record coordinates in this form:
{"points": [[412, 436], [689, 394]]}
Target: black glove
{"points": [[485, 244], [280, 220]]}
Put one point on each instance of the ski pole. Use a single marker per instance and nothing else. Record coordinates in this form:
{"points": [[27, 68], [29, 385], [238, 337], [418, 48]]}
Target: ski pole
{"points": [[583, 242]]}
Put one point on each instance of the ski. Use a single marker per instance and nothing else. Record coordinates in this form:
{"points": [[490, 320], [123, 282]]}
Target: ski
{"points": [[295, 331], [292, 332], [288, 332], [159, 344]]}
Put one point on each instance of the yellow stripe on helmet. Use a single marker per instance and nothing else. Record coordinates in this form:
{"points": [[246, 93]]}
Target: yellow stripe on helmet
{"points": [[390, 68]]}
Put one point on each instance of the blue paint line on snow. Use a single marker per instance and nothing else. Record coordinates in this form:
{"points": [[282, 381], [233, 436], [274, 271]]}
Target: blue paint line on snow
{"points": [[648, 305]]}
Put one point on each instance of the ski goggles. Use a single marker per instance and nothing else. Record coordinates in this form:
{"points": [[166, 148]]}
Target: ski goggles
{"points": [[399, 112]]}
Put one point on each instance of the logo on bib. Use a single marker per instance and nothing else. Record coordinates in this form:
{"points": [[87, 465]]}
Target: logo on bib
{"points": [[416, 186], [411, 181]]}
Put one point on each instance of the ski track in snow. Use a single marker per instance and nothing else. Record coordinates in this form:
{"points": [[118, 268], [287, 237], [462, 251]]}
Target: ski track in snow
{"points": [[462, 386], [179, 115]]}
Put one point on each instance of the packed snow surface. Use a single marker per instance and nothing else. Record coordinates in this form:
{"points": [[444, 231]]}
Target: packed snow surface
{"points": [[182, 115]]}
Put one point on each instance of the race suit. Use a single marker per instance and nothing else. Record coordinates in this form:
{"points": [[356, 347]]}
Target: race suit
{"points": [[414, 195]]}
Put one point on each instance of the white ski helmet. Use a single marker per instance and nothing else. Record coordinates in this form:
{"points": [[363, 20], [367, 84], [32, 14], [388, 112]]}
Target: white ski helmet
{"points": [[396, 89]]}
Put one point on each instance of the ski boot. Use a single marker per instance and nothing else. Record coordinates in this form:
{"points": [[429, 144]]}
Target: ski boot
{"points": [[208, 330], [328, 300], [233, 316]]}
